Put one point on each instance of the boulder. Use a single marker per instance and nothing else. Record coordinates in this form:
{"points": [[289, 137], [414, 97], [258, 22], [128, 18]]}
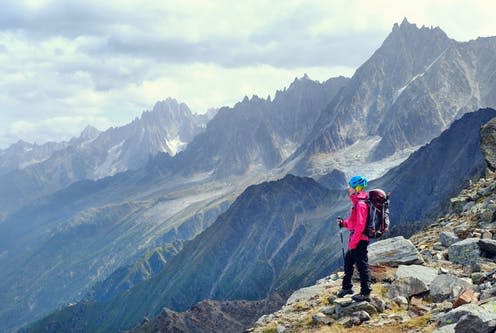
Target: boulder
{"points": [[488, 293], [454, 315], [393, 252], [423, 273], [488, 143], [355, 307], [442, 286], [306, 294], [465, 252], [488, 245], [407, 286], [480, 323], [486, 312], [447, 238], [361, 315], [401, 301], [328, 310], [321, 319], [378, 303], [458, 204]]}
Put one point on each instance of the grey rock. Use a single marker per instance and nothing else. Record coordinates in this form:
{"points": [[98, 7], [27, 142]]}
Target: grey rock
{"points": [[320, 318], [465, 252], [454, 315], [457, 205], [486, 312], [407, 286], [423, 273], [461, 230], [394, 251], [378, 303], [447, 238], [443, 285], [328, 310], [362, 315], [350, 322], [306, 294], [343, 301], [354, 307], [468, 205], [488, 245], [488, 293], [401, 300], [488, 143], [438, 247], [281, 328], [481, 323]]}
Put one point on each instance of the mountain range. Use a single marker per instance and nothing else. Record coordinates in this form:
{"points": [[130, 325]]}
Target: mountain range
{"points": [[278, 236], [29, 171], [410, 90], [418, 76]]}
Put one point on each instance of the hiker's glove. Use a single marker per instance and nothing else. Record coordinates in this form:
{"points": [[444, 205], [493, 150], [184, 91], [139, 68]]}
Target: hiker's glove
{"points": [[340, 222]]}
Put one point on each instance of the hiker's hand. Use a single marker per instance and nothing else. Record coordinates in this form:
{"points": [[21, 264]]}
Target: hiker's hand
{"points": [[340, 222]]}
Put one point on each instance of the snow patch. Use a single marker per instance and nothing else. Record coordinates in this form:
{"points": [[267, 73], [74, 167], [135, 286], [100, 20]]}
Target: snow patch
{"points": [[25, 164], [174, 145], [353, 160], [287, 149], [400, 91]]}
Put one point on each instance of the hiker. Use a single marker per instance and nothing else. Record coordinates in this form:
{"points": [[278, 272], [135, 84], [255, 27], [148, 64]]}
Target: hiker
{"points": [[358, 241]]}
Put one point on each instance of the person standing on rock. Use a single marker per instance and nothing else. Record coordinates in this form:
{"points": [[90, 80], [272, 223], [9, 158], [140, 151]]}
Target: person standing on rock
{"points": [[358, 241]]}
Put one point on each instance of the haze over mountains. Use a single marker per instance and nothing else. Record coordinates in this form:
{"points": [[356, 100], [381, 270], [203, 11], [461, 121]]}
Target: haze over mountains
{"points": [[30, 171], [280, 236], [411, 89]]}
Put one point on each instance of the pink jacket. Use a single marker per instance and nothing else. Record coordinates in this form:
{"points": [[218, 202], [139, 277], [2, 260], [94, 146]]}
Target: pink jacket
{"points": [[357, 221]]}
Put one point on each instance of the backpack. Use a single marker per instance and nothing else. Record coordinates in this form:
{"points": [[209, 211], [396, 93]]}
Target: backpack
{"points": [[378, 215]]}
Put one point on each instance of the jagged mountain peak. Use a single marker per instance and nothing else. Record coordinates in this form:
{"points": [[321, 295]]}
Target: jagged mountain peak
{"points": [[89, 132], [169, 109], [406, 27]]}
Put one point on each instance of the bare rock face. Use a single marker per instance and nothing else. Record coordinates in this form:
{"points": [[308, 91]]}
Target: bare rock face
{"points": [[393, 252], [488, 143]]}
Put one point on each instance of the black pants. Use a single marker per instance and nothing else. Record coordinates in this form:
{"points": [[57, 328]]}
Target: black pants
{"points": [[359, 257]]}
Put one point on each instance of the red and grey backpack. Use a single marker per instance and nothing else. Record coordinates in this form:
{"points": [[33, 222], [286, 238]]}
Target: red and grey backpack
{"points": [[378, 214]]}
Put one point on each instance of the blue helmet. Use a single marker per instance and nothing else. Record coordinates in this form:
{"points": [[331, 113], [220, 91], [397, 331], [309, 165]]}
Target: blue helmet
{"points": [[358, 183]]}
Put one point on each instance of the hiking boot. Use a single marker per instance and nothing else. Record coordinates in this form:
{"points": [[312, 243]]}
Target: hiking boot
{"points": [[361, 297], [344, 292]]}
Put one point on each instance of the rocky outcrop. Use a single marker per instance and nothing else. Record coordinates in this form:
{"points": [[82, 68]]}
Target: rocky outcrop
{"points": [[488, 143], [465, 252], [394, 251], [443, 294], [210, 316]]}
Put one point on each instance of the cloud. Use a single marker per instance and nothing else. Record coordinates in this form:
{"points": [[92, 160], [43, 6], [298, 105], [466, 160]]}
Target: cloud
{"points": [[103, 63]]}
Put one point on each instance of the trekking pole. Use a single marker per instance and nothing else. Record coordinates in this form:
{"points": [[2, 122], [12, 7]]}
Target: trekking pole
{"points": [[341, 236]]}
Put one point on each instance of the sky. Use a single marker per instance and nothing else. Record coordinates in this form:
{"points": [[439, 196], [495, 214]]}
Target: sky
{"points": [[68, 64]]}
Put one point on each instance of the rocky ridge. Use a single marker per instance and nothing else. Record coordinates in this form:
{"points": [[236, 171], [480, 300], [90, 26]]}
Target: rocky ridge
{"points": [[442, 279]]}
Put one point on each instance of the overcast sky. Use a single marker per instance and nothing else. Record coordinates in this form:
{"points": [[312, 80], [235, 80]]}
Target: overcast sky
{"points": [[66, 64]]}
